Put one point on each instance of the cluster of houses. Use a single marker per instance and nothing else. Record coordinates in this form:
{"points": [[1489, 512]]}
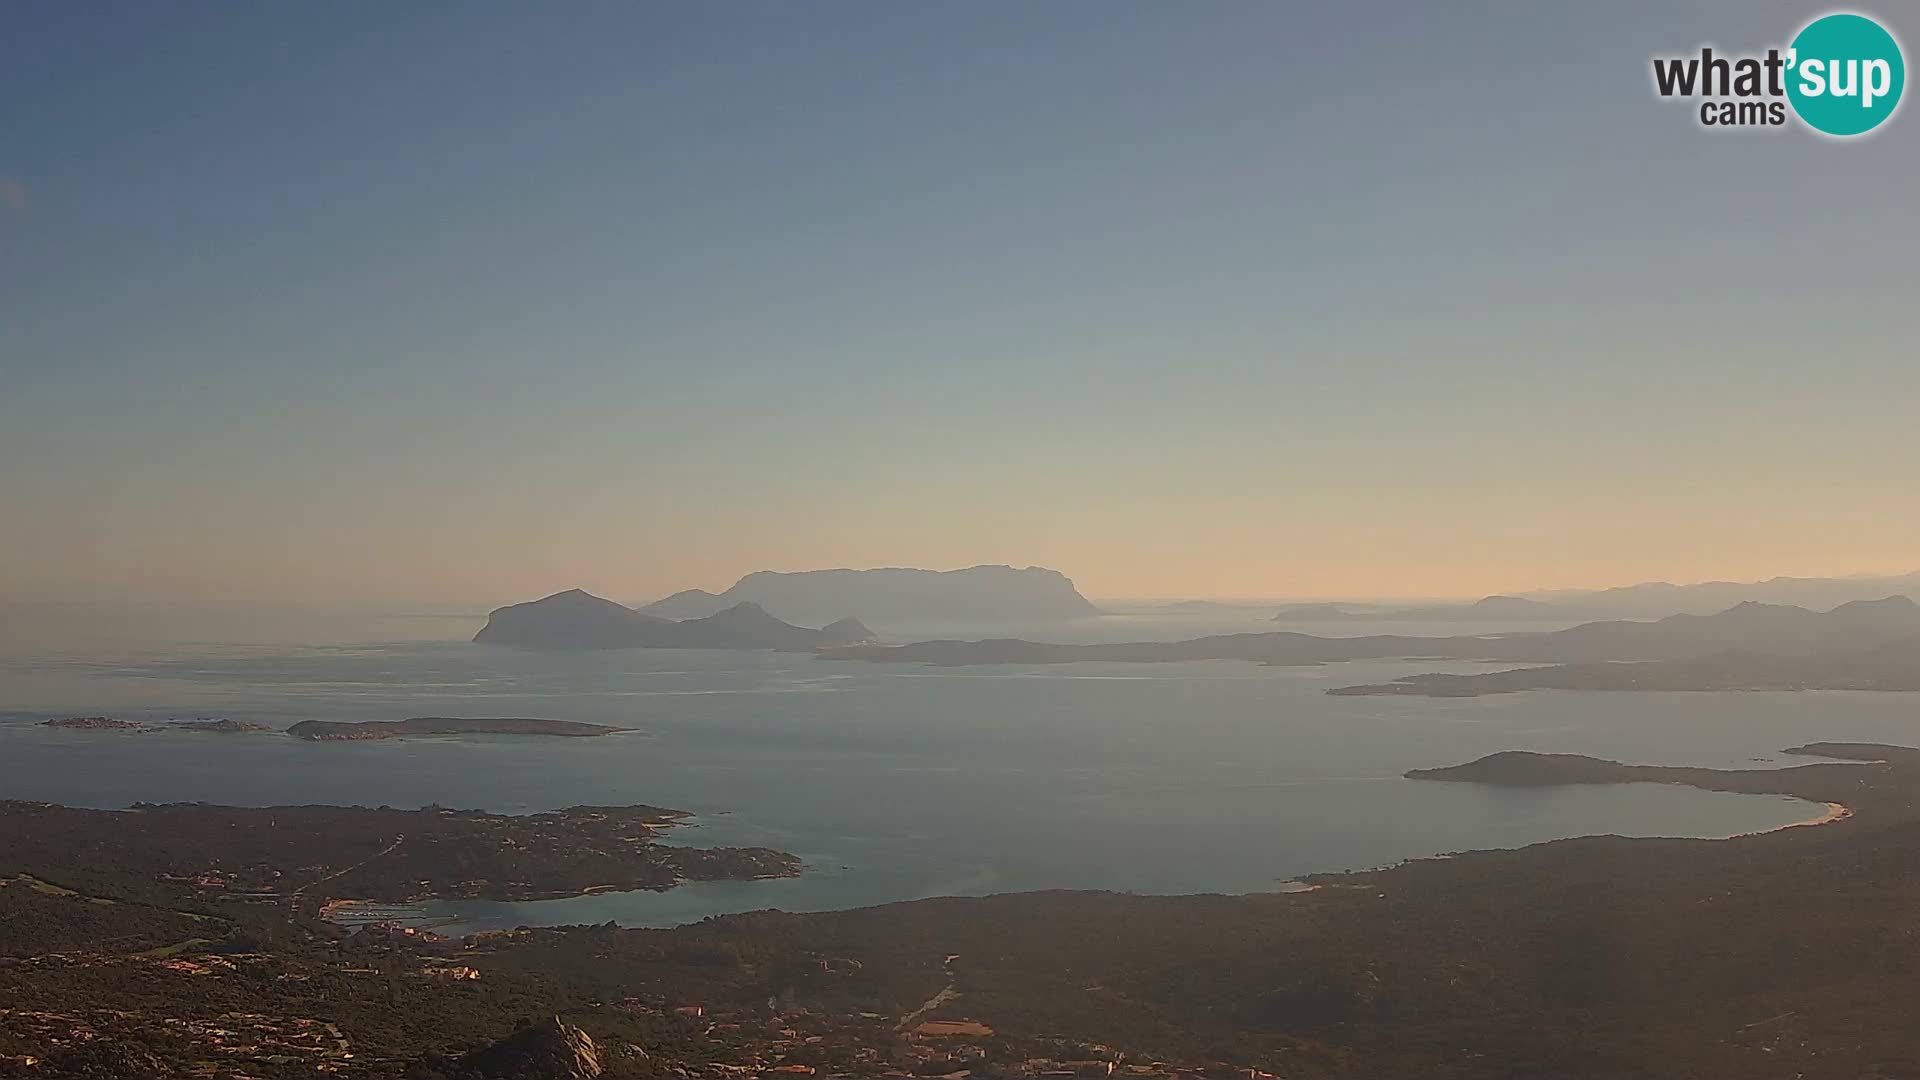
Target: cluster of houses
{"points": [[240, 1038], [788, 1040]]}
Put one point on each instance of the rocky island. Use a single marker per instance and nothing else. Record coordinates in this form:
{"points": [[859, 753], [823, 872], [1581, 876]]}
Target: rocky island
{"points": [[363, 730], [221, 726], [94, 723]]}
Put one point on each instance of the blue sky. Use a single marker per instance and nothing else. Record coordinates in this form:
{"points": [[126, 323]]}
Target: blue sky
{"points": [[371, 303]]}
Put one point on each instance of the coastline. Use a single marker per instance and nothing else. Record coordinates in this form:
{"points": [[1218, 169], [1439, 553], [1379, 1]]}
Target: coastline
{"points": [[428, 912], [1834, 812], [1688, 932]]}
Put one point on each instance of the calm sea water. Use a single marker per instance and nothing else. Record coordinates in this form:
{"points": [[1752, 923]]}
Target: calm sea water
{"points": [[901, 782]]}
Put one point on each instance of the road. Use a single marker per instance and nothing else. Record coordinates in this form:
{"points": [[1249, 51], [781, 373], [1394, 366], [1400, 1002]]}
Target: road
{"points": [[946, 995], [388, 850]]}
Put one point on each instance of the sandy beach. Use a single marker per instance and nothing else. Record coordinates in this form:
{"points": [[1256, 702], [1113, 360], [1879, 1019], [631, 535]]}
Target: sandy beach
{"points": [[1834, 812]]}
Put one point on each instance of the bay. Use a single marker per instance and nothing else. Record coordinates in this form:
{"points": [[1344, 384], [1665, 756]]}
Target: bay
{"points": [[899, 782]]}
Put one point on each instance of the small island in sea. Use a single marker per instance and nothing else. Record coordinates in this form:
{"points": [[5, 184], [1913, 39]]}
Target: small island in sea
{"points": [[208, 725], [94, 723], [220, 726], [347, 730], [364, 730]]}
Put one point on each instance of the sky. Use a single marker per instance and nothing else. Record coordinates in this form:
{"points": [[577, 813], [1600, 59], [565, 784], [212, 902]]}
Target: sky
{"points": [[449, 303]]}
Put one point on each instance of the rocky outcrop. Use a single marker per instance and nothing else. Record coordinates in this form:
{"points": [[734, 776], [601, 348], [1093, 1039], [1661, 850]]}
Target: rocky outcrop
{"points": [[549, 1050]]}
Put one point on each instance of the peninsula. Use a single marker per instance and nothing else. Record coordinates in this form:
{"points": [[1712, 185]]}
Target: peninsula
{"points": [[169, 852], [1824, 782], [1891, 667]]}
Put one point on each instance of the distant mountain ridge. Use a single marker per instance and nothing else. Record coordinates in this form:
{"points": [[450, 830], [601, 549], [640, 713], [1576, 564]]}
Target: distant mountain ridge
{"points": [[576, 619], [1862, 645], [999, 593], [1648, 600], [1656, 598], [1770, 629], [1485, 609]]}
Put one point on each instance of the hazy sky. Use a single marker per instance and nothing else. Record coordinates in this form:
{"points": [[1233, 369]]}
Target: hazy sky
{"points": [[470, 302]]}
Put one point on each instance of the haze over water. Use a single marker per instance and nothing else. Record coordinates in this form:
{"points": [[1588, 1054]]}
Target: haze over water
{"points": [[896, 782]]}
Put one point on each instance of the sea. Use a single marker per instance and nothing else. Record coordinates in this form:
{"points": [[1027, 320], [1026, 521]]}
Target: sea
{"points": [[897, 782]]}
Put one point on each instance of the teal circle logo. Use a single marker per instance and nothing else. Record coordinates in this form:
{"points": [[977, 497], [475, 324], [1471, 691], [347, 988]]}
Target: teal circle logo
{"points": [[1845, 74]]}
